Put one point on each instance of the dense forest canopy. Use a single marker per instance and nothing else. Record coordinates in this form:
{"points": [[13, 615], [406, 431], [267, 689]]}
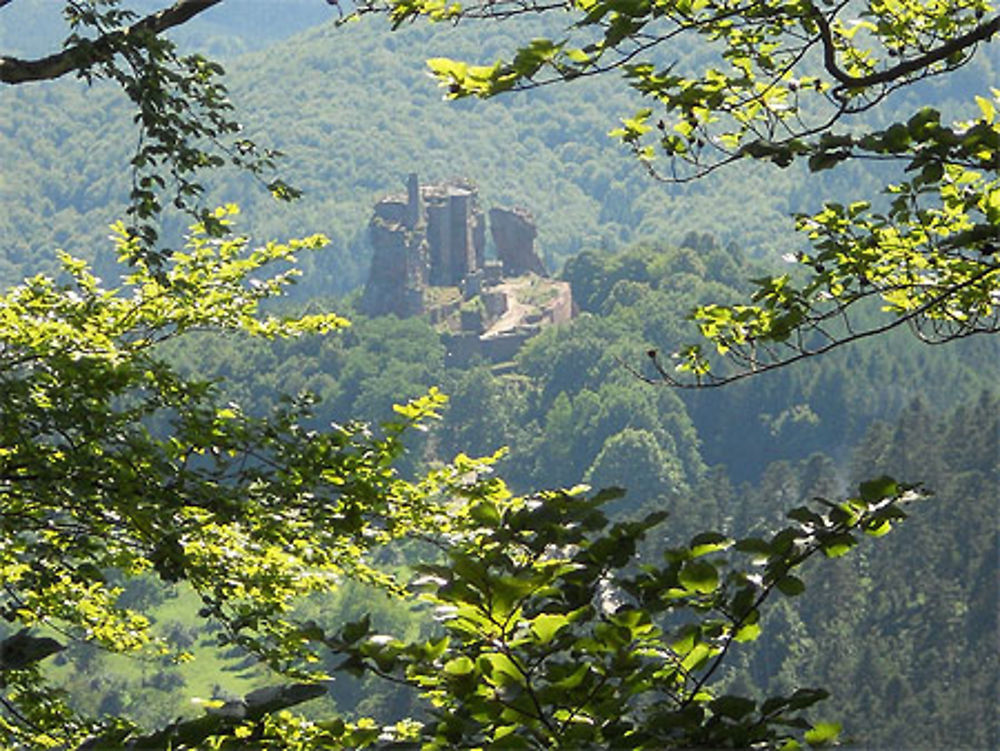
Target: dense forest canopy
{"points": [[787, 82], [349, 142], [268, 506]]}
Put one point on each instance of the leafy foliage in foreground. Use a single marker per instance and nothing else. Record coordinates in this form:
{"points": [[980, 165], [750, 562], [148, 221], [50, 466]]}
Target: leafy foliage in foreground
{"points": [[114, 465], [929, 259], [554, 636]]}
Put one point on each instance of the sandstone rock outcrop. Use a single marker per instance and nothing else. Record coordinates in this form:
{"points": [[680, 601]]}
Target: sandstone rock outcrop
{"points": [[514, 234], [434, 235], [398, 273]]}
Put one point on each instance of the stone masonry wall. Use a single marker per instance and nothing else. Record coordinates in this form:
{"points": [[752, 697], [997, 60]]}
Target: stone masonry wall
{"points": [[433, 235]]}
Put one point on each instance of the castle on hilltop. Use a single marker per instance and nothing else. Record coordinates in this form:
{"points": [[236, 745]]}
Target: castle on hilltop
{"points": [[430, 258], [435, 236]]}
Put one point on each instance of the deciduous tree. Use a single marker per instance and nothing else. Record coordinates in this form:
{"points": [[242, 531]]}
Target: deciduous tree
{"points": [[115, 465], [782, 82]]}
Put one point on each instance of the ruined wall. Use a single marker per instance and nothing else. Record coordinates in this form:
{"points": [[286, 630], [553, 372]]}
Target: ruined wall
{"points": [[400, 265], [433, 235], [455, 231], [398, 272], [514, 234]]}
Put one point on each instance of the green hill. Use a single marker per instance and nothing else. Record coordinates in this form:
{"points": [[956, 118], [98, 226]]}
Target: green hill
{"points": [[354, 112]]}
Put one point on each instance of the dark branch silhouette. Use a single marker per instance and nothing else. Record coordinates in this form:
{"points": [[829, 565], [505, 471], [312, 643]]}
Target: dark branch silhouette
{"points": [[981, 33], [750, 363], [86, 53]]}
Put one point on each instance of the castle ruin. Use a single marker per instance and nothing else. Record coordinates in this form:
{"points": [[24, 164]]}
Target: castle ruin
{"points": [[434, 237]]}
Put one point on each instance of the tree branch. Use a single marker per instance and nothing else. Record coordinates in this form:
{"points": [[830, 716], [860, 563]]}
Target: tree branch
{"points": [[981, 33], [911, 317], [87, 53], [253, 707]]}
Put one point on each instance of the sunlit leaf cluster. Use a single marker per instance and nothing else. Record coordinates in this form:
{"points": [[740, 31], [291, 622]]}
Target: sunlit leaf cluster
{"points": [[929, 260], [783, 71], [114, 465], [554, 635]]}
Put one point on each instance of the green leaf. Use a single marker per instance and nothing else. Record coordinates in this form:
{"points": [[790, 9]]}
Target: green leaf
{"points": [[546, 626], [485, 513], [606, 495], [823, 734], [805, 515], [356, 630], [699, 576], [506, 737], [878, 528], [824, 160], [735, 707], [709, 542], [459, 666], [987, 108], [923, 123], [572, 680], [686, 639], [697, 656], [878, 489], [754, 545], [791, 586], [747, 632], [804, 698], [743, 601], [932, 172], [837, 545], [897, 138], [500, 668]]}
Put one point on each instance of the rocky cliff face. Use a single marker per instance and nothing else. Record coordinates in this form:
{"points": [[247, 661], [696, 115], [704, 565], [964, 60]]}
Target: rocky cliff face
{"points": [[399, 269], [514, 234], [434, 235]]}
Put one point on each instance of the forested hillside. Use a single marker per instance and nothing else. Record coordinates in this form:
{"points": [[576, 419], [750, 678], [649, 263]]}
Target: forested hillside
{"points": [[354, 112], [901, 630], [272, 487], [737, 457]]}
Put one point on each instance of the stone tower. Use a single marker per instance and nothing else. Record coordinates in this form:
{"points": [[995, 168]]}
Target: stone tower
{"points": [[434, 235]]}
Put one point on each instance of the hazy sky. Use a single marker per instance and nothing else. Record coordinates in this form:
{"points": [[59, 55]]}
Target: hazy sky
{"points": [[36, 27]]}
